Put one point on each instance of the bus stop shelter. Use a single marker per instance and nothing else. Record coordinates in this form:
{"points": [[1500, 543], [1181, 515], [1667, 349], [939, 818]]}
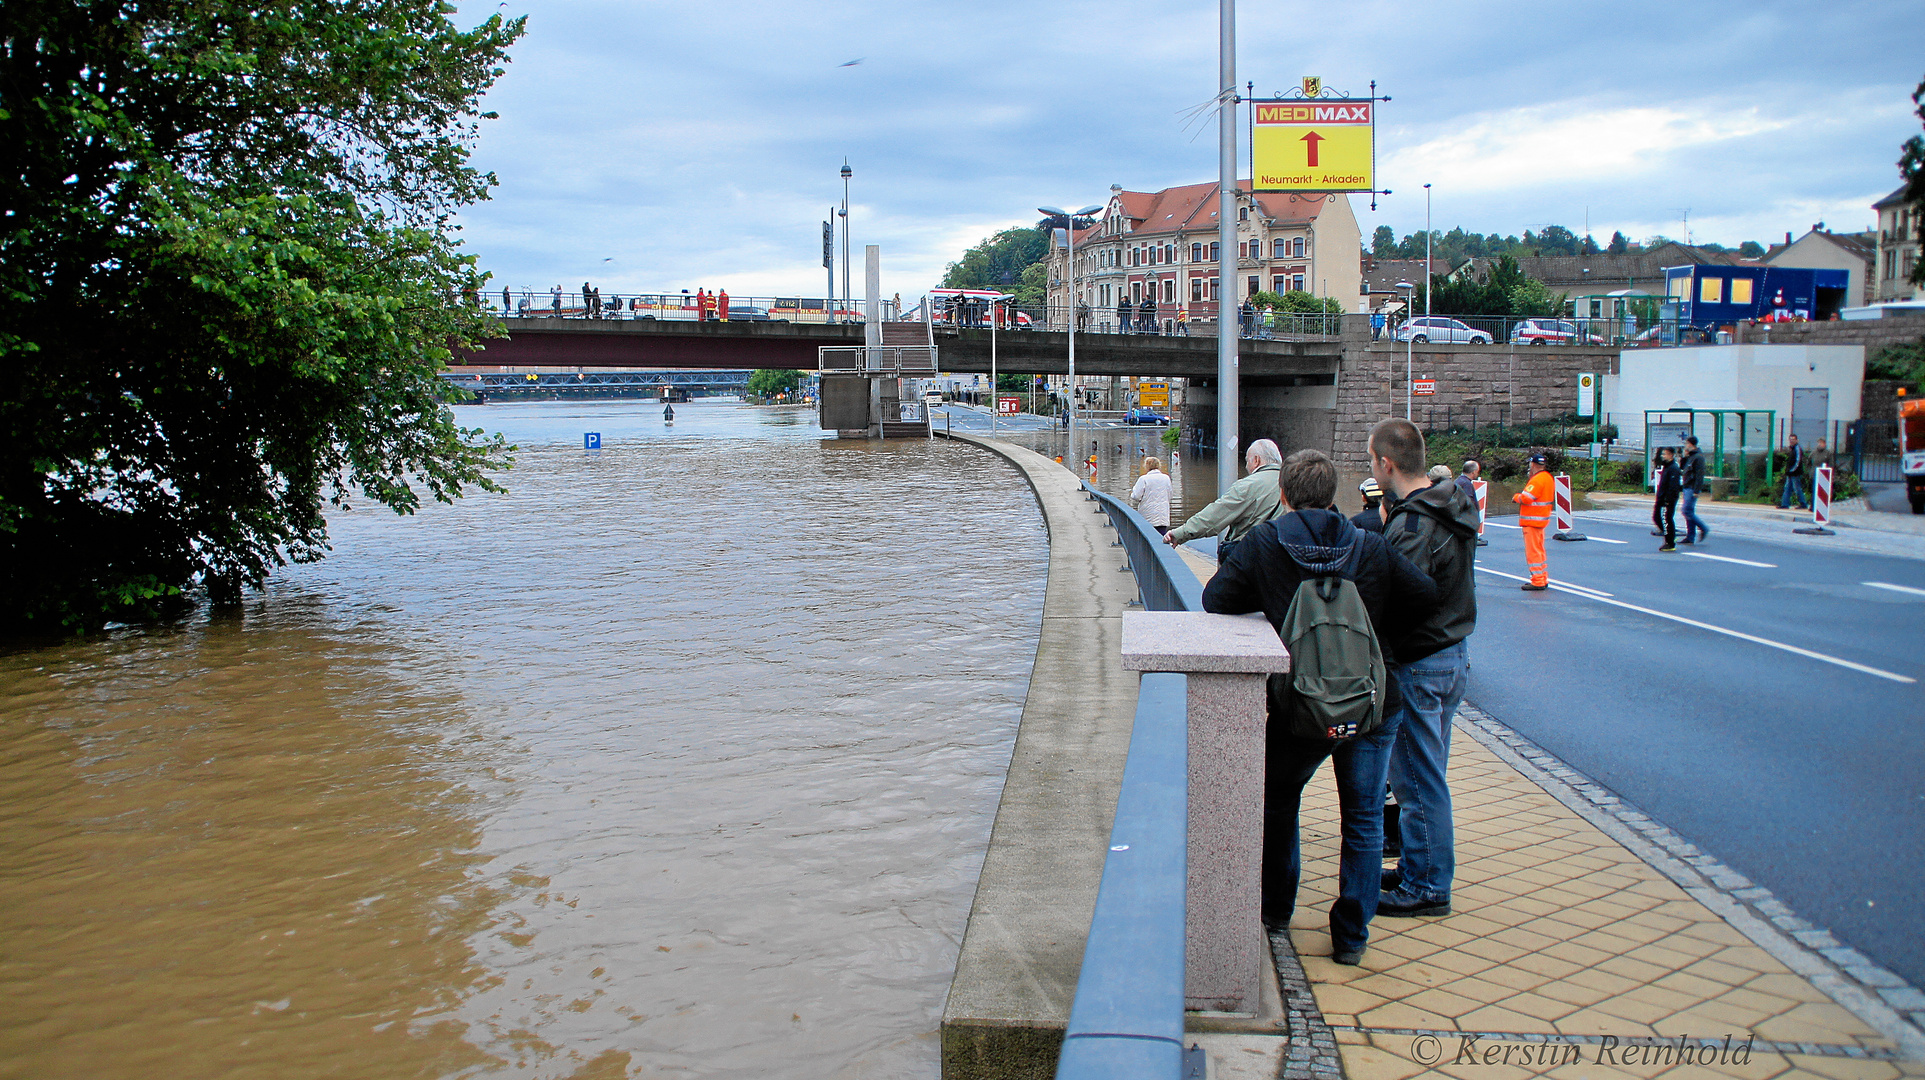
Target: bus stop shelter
{"points": [[1668, 427]]}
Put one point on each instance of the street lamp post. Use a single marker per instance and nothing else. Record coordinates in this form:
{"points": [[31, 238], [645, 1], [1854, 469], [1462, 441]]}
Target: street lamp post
{"points": [[1410, 335], [1069, 242], [846, 173], [1426, 253]]}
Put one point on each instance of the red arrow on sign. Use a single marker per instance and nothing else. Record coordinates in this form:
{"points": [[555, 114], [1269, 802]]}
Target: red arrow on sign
{"points": [[1313, 139]]}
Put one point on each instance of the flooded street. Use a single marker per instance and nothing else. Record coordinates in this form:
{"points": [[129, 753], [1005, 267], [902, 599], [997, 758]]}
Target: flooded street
{"points": [[677, 760]]}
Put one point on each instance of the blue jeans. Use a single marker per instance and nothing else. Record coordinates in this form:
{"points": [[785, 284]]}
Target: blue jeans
{"points": [[1433, 688], [1361, 765], [1794, 493], [1693, 528]]}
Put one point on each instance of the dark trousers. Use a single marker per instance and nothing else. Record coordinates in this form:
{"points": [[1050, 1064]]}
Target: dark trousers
{"points": [[1664, 516], [1361, 767]]}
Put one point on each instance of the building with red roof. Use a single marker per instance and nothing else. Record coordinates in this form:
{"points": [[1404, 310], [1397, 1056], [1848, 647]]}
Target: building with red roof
{"points": [[1165, 243]]}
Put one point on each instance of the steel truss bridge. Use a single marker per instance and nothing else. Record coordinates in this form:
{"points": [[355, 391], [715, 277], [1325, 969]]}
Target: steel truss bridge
{"points": [[714, 382]]}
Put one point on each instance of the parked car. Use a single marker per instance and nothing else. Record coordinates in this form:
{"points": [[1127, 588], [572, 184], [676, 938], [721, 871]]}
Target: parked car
{"points": [[1441, 330], [1145, 416], [748, 314], [1549, 332]]}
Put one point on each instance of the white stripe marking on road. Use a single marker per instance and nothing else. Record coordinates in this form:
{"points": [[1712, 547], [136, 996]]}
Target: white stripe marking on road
{"points": [[1880, 672], [1729, 559], [1574, 587], [1608, 540], [1896, 588], [1501, 525]]}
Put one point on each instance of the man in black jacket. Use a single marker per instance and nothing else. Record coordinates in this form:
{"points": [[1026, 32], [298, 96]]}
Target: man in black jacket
{"points": [[1435, 525], [1691, 475], [1262, 574]]}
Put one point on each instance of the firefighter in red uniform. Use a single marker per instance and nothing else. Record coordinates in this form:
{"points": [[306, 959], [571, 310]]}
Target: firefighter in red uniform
{"points": [[1534, 505], [722, 305]]}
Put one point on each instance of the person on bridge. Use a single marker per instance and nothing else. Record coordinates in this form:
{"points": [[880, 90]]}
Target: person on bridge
{"points": [[1263, 573], [1250, 502], [1534, 505], [1151, 495], [1691, 478], [722, 305], [1123, 315], [1183, 320], [1435, 527], [507, 302], [1147, 310]]}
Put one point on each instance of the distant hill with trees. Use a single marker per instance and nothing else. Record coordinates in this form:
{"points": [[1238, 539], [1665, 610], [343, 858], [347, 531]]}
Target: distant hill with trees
{"points": [[1457, 247]]}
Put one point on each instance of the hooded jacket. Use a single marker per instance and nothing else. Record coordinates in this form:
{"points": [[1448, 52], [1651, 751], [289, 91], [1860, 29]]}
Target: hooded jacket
{"points": [[1436, 529], [1249, 501], [1263, 573]]}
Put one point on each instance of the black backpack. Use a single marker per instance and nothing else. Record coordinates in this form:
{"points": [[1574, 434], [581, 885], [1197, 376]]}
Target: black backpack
{"points": [[1337, 684]]}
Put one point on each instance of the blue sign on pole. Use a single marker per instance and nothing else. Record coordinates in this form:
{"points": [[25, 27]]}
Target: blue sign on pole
{"points": [[591, 440]]}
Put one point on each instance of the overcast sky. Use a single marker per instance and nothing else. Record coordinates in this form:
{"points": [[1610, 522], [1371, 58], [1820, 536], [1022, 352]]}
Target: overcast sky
{"points": [[659, 146]]}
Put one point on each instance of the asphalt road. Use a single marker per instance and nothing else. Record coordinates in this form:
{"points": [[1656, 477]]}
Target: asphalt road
{"points": [[1793, 752]]}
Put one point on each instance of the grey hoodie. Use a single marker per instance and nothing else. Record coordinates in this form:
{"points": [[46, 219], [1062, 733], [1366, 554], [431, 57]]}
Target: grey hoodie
{"points": [[1436, 528]]}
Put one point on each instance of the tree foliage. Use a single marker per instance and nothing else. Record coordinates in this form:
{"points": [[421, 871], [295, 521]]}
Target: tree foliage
{"points": [[1298, 302], [1503, 290], [1911, 165], [998, 262], [1455, 248], [767, 383], [226, 285]]}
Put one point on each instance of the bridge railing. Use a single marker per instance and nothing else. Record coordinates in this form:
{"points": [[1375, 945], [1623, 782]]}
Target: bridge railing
{"points": [[1127, 1018], [892, 361], [673, 307], [1157, 320]]}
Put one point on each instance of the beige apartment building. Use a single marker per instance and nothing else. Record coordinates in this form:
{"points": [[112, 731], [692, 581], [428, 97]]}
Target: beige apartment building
{"points": [[1898, 226], [1164, 244]]}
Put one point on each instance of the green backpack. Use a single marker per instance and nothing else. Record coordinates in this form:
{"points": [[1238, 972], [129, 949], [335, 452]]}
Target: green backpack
{"points": [[1337, 684]]}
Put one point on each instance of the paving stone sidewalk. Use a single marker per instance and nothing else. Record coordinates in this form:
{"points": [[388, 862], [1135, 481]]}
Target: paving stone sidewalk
{"points": [[1585, 941]]}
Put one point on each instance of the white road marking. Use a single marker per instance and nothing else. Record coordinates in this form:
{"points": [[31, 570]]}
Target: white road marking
{"points": [[1608, 540], [1729, 559], [1501, 525], [1581, 590], [1896, 588], [1880, 672]]}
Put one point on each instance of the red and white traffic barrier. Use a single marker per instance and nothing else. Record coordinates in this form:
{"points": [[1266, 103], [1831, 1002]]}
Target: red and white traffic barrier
{"points": [[1483, 490], [1561, 495], [1820, 503]]}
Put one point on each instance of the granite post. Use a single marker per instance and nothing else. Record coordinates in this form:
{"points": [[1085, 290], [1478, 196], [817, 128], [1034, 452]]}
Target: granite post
{"points": [[1227, 658]]}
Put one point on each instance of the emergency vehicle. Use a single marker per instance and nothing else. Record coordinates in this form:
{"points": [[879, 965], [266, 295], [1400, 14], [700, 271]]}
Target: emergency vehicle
{"points": [[1911, 450], [971, 307]]}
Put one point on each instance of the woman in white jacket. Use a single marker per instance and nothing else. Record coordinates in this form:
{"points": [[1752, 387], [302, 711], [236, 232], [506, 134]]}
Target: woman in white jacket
{"points": [[1151, 495]]}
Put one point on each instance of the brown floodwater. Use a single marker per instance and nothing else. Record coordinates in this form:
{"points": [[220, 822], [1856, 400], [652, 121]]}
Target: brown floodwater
{"points": [[677, 760]]}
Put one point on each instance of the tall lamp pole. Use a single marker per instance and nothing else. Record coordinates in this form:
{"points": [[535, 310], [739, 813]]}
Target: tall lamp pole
{"points": [[1410, 334], [1427, 231], [846, 173], [1069, 242], [1229, 396]]}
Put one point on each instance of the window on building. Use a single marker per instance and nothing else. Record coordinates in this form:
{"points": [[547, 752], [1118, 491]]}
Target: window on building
{"points": [[1256, 284], [1215, 287], [1741, 290], [1169, 291], [1597, 307], [1215, 252], [1196, 252], [1196, 289], [1711, 290], [1679, 287], [1278, 283], [1296, 248], [1136, 292], [1243, 213], [1296, 282]]}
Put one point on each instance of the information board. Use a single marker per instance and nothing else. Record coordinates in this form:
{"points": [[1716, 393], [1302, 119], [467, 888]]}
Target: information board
{"points": [[1324, 144]]}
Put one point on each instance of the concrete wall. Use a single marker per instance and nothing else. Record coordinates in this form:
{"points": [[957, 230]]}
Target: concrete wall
{"points": [[1759, 376], [1873, 334]]}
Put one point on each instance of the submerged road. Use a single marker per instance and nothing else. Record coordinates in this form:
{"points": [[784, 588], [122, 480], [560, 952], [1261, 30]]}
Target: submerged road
{"points": [[1760, 695]]}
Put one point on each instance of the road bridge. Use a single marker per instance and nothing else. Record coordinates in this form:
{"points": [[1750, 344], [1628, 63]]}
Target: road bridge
{"points": [[637, 344]]}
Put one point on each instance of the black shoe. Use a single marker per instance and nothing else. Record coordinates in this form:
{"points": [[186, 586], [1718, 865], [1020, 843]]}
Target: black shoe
{"points": [[1669, 547], [1528, 587], [1274, 924], [1686, 540], [1398, 907], [1393, 877], [1347, 957], [1657, 532]]}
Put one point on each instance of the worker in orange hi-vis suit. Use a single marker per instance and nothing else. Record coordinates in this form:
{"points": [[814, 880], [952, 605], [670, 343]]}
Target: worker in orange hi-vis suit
{"points": [[1534, 506], [722, 305]]}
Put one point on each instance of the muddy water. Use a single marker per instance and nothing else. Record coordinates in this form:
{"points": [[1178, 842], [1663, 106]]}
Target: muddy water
{"points": [[678, 760]]}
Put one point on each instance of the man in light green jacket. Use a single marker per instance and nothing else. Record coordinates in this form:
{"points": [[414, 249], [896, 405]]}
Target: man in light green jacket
{"points": [[1250, 502]]}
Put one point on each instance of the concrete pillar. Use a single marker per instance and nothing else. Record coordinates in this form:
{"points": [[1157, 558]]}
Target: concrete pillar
{"points": [[1227, 659]]}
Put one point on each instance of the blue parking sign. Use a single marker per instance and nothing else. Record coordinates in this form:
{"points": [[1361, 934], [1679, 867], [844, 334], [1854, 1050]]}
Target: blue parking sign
{"points": [[591, 440]]}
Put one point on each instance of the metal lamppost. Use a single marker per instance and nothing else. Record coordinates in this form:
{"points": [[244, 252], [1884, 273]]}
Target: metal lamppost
{"points": [[1069, 240], [1426, 253], [846, 174], [1410, 334]]}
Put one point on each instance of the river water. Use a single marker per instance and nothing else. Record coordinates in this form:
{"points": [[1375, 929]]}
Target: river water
{"points": [[677, 760]]}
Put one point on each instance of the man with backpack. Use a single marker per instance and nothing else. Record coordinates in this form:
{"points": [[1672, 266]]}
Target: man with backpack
{"points": [[1325, 585], [1435, 524]]}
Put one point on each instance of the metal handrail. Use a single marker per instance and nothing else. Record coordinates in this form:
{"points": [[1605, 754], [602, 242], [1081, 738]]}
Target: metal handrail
{"points": [[1127, 1019]]}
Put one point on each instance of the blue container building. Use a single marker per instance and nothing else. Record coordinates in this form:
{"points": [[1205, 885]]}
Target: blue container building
{"points": [[1708, 297]]}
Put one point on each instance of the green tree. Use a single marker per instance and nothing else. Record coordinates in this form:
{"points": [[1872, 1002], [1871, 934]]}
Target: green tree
{"points": [[1751, 249], [1911, 165], [1031, 289], [765, 383], [998, 262], [1618, 245], [1383, 242], [228, 283]]}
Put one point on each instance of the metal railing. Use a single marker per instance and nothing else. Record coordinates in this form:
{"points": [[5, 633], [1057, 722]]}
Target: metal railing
{"points": [[892, 361], [1127, 1019], [672, 307]]}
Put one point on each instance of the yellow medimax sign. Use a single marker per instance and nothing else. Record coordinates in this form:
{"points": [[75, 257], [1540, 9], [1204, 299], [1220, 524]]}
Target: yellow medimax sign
{"points": [[1313, 145]]}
